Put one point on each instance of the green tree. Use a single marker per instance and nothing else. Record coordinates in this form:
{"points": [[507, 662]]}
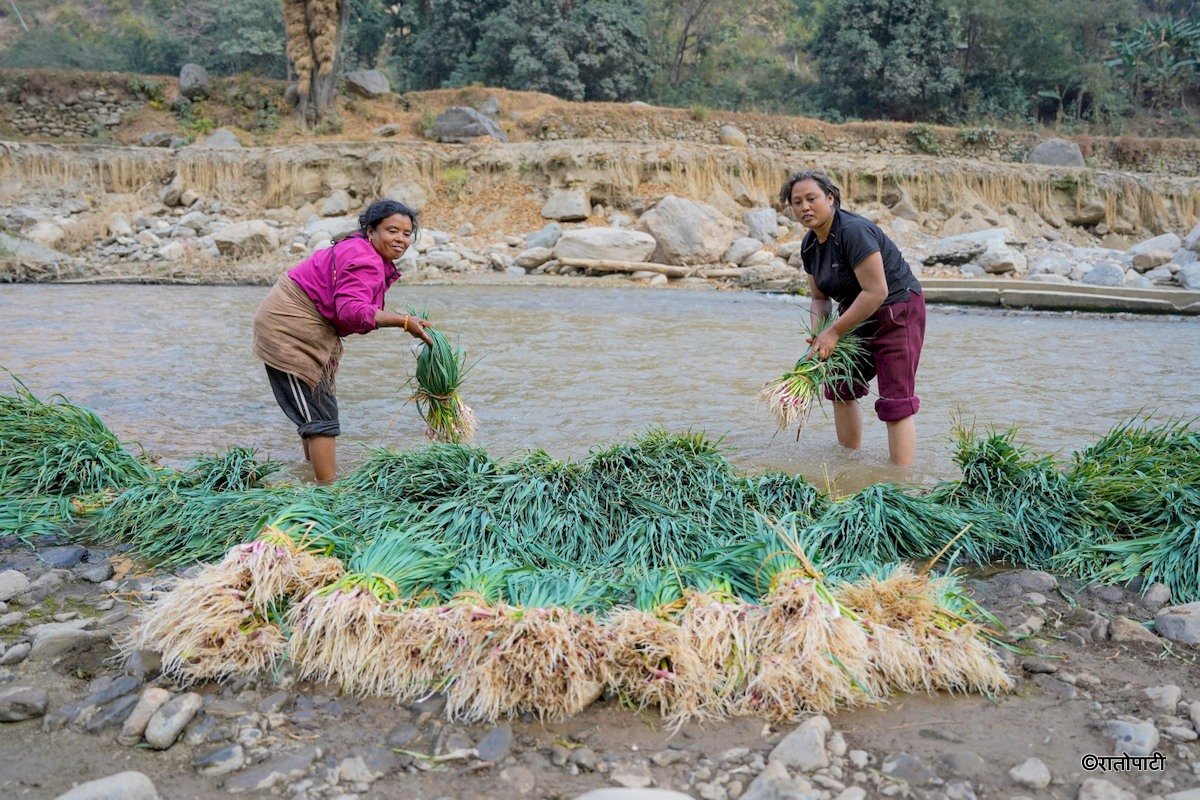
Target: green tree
{"points": [[887, 58]]}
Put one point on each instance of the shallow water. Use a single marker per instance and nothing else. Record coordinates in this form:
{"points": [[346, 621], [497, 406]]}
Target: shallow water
{"points": [[566, 369]]}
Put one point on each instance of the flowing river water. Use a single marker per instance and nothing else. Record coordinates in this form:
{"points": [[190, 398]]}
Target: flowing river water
{"points": [[567, 369]]}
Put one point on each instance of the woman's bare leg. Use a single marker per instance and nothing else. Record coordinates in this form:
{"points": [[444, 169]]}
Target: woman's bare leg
{"points": [[847, 421], [324, 461], [902, 440]]}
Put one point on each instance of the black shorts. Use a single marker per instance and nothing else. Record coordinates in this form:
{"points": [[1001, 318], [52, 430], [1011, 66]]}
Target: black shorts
{"points": [[315, 411]]}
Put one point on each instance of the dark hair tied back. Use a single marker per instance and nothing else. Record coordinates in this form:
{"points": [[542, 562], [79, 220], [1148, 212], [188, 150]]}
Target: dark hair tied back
{"points": [[822, 180], [380, 210]]}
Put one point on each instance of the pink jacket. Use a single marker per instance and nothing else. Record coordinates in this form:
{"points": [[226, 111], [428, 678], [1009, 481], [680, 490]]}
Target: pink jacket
{"points": [[346, 283]]}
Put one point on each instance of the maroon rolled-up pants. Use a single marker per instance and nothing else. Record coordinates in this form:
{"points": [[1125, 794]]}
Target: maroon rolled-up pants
{"points": [[894, 335]]}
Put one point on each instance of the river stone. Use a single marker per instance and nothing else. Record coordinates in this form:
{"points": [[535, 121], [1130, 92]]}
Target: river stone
{"points": [[533, 257], [908, 768], [12, 583], [15, 654], [616, 244], [246, 238], [63, 557], [193, 82], [165, 726], [1124, 629], [221, 761], [1106, 273], [367, 83], [546, 237], [220, 139], [410, 193], [97, 572], [367, 764], [153, 698], [1150, 259], [1179, 623], [156, 139], [1192, 240], [1000, 259], [1167, 241], [732, 135], [567, 205], [774, 783], [1031, 773], [54, 639], [1135, 738], [495, 745], [687, 232], [1051, 264], [1189, 276], [761, 223], [19, 703], [279, 769], [114, 713], [1100, 789], [804, 748], [1056, 153], [741, 249], [122, 786], [461, 124]]}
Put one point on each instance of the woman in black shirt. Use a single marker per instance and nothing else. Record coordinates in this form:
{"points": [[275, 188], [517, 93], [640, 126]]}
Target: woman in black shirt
{"points": [[847, 258]]}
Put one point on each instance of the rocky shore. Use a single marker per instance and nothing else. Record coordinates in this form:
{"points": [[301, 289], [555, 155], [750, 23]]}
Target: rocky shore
{"points": [[1100, 671]]}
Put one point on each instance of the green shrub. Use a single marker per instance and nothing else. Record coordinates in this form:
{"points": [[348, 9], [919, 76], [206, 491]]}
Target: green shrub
{"points": [[925, 138]]}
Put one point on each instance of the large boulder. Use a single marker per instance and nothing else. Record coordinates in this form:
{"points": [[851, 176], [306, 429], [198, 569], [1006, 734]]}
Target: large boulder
{"points": [[688, 232], [567, 205], [367, 83], [461, 124], [732, 136], [411, 193], [25, 251], [762, 223], [741, 249], [193, 82], [1192, 240], [246, 238], [1056, 153], [966, 247], [1106, 273], [613, 244], [1167, 241], [1189, 276], [1000, 259]]}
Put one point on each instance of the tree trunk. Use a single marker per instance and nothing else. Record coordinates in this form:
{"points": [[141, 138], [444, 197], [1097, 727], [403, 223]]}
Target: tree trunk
{"points": [[316, 30]]}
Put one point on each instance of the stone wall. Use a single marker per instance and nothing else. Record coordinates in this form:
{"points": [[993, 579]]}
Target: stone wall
{"points": [[53, 114]]}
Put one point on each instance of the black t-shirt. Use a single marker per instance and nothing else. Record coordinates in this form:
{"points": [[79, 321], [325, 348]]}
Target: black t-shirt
{"points": [[851, 239]]}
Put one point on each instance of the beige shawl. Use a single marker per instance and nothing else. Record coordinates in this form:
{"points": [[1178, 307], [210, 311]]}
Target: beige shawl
{"points": [[290, 335]]}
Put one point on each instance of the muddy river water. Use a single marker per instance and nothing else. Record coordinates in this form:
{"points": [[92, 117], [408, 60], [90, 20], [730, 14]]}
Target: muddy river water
{"points": [[567, 369]]}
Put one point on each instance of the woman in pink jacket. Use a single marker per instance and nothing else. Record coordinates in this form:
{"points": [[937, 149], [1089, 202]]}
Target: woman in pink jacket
{"points": [[335, 292]]}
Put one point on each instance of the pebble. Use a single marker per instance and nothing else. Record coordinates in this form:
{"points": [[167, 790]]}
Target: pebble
{"points": [[152, 699], [221, 761], [1031, 773], [631, 776], [859, 758], [964, 764], [19, 703], [711, 791], [804, 748], [1124, 629], [495, 744], [667, 758], [1164, 698], [1100, 789], [279, 769], [908, 768], [365, 765], [123, 785], [1136, 738], [402, 735], [12, 584], [169, 721]]}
